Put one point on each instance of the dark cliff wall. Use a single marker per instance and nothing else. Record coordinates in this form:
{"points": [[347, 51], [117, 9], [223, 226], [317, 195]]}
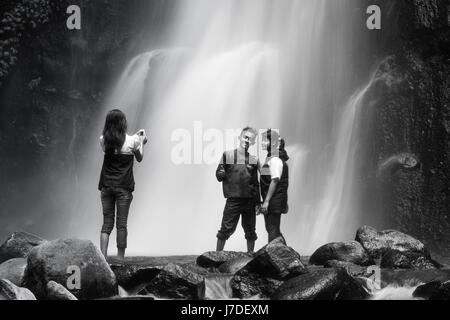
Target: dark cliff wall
{"points": [[410, 113], [52, 86]]}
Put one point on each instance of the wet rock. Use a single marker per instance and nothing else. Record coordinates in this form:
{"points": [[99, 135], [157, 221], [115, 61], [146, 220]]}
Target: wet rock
{"points": [[325, 284], [394, 259], [378, 243], [350, 251], [277, 261], [175, 282], [130, 276], [55, 291], [353, 269], [13, 270], [215, 259], [235, 265], [9, 291], [442, 293], [53, 260], [247, 285], [18, 245], [427, 290]]}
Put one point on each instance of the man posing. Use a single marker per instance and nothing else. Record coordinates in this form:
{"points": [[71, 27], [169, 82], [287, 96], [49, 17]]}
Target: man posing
{"points": [[238, 171]]}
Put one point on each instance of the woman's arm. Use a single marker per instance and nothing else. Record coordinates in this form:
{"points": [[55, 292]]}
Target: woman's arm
{"points": [[139, 153], [270, 193]]}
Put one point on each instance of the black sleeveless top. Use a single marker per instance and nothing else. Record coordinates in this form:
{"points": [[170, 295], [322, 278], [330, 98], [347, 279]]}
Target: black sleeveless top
{"points": [[279, 201], [117, 172]]}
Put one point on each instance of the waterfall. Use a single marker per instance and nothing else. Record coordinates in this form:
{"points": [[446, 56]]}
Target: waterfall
{"points": [[226, 65]]}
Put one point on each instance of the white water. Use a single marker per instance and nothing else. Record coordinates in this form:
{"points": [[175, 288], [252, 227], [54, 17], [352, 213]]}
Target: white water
{"points": [[230, 64]]}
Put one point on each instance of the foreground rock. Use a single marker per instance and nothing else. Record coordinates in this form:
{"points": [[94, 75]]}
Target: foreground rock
{"points": [[352, 269], [276, 261], [378, 243], [247, 285], [55, 291], [394, 259], [442, 293], [9, 291], [52, 260], [175, 282], [325, 284], [350, 251], [215, 259], [13, 270], [18, 245], [234, 265], [427, 290], [131, 276]]}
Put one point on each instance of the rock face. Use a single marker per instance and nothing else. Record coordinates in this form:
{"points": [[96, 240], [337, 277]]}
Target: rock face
{"points": [[55, 291], [52, 260], [215, 259], [325, 284], [175, 282], [13, 270], [9, 291], [394, 259], [277, 261], [353, 269], [18, 245], [351, 251], [215, 287], [378, 243]]}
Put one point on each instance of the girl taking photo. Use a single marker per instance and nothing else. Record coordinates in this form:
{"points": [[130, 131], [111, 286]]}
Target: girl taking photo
{"points": [[116, 178], [274, 183]]}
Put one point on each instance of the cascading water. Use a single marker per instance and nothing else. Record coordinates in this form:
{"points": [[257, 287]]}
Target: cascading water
{"points": [[226, 65]]}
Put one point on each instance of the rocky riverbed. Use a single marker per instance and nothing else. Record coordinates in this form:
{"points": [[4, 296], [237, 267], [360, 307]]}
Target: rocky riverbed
{"points": [[376, 265]]}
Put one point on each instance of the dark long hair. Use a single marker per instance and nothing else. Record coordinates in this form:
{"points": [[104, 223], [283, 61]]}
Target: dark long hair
{"points": [[276, 142], [115, 130]]}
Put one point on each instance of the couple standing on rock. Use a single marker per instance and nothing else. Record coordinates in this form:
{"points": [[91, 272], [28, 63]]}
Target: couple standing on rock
{"points": [[238, 171]]}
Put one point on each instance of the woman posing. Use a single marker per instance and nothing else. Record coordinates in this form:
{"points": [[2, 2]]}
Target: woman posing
{"points": [[274, 183], [117, 179]]}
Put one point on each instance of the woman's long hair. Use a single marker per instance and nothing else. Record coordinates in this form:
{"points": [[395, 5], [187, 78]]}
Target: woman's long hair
{"points": [[276, 143], [115, 130]]}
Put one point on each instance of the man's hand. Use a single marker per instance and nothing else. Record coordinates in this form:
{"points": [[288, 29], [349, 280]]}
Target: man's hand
{"points": [[258, 209]]}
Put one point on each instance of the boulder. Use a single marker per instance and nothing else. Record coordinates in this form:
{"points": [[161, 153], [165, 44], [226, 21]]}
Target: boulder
{"points": [[64, 261], [234, 265], [9, 291], [350, 251], [324, 284], [394, 259], [352, 269], [55, 291], [442, 293], [426, 291], [377, 243], [247, 285], [175, 282], [13, 270], [276, 261], [18, 245], [215, 259], [130, 276]]}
